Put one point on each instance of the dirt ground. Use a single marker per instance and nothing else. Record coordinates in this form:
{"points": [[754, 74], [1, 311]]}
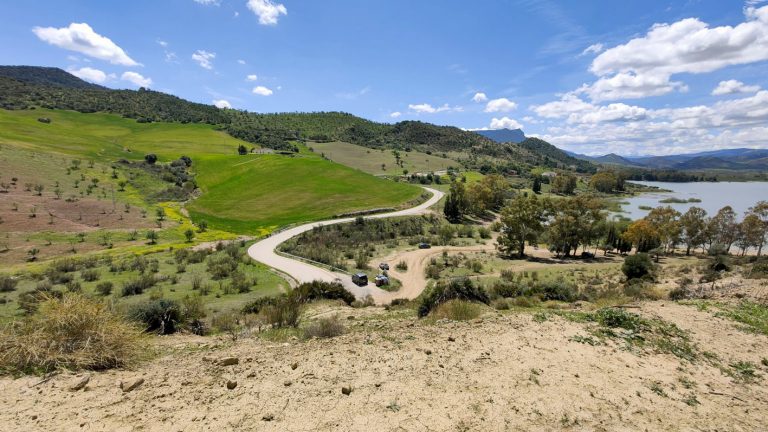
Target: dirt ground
{"points": [[503, 372]]}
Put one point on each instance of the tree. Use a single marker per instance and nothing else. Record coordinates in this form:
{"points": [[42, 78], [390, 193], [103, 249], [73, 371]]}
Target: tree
{"points": [[604, 181], [724, 228], [160, 213], [150, 158], [761, 211], [637, 266], [564, 184], [665, 220], [242, 150], [487, 194], [751, 233], [577, 221], [536, 185], [451, 209], [202, 225], [693, 225], [39, 189], [521, 220], [152, 236], [189, 234], [642, 235]]}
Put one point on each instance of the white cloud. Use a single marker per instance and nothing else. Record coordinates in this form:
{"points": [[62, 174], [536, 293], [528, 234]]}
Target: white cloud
{"points": [[500, 105], [136, 79], [81, 38], [569, 103], [610, 113], [479, 97], [90, 74], [644, 66], [593, 49], [222, 103], [505, 123], [204, 58], [395, 114], [426, 108], [267, 11], [262, 91], [208, 2], [242, 62], [251, 77], [733, 86], [162, 43]]}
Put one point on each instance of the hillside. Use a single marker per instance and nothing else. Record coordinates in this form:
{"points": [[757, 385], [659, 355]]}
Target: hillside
{"points": [[503, 135], [56, 89], [728, 159], [554, 156]]}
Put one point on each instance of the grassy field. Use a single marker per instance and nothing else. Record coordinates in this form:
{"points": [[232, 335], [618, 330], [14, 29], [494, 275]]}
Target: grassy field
{"points": [[245, 194], [370, 160]]}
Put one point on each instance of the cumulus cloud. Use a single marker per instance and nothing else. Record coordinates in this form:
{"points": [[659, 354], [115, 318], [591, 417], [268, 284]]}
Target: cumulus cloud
{"points": [[267, 11], [80, 37], [136, 79], [505, 123], [644, 66], [426, 108], [733, 86], [251, 77], [208, 2], [593, 49], [395, 114], [241, 61], [204, 58], [479, 97], [569, 103], [500, 105], [91, 74], [262, 91], [222, 103]]}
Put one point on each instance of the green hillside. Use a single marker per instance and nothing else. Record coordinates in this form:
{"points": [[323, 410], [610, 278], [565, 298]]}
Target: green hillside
{"points": [[371, 160], [245, 194]]}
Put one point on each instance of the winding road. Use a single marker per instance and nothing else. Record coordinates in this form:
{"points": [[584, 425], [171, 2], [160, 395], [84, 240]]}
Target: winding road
{"points": [[264, 252]]}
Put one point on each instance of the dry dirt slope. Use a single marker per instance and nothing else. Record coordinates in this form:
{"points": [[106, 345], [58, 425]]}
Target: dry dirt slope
{"points": [[508, 372]]}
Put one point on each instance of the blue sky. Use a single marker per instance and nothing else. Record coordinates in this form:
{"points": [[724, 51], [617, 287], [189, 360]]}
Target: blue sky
{"points": [[632, 77]]}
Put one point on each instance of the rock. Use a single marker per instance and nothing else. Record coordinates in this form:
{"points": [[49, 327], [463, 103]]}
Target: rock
{"points": [[346, 391], [231, 384], [451, 339], [131, 385], [268, 417], [229, 361], [294, 366], [428, 352], [287, 383], [80, 383]]}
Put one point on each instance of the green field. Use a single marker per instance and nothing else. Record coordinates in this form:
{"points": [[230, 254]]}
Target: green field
{"points": [[244, 194], [370, 160]]}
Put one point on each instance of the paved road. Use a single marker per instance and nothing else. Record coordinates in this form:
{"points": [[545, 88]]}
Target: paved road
{"points": [[264, 252]]}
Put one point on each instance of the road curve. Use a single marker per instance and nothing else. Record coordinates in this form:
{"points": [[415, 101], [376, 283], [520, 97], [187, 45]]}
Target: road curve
{"points": [[264, 252]]}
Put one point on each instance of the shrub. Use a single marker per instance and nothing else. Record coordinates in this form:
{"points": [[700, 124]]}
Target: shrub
{"points": [[458, 310], [104, 288], [58, 277], [555, 290], [90, 275], [618, 318], [462, 289], [317, 290], [162, 316], [138, 285], [284, 312], [636, 266], [74, 286], [325, 328], [402, 266], [7, 283], [221, 265], [506, 290], [72, 332]]}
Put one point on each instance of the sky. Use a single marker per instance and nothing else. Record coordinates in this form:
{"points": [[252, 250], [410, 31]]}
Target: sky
{"points": [[631, 77]]}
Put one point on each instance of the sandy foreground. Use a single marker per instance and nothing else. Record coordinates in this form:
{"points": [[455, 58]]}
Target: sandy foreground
{"points": [[503, 372]]}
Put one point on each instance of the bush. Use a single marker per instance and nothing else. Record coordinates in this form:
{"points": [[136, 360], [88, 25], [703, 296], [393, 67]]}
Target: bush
{"points": [[317, 290], [284, 312], [162, 316], [90, 275], [7, 283], [458, 310], [402, 266], [72, 332], [138, 285], [104, 288], [462, 289], [325, 328], [618, 318], [636, 266], [221, 265]]}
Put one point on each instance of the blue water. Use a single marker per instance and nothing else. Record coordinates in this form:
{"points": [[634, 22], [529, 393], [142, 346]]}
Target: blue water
{"points": [[714, 196]]}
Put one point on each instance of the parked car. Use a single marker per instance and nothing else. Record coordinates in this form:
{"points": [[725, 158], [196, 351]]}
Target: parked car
{"points": [[381, 280], [360, 279], [384, 266], [424, 245]]}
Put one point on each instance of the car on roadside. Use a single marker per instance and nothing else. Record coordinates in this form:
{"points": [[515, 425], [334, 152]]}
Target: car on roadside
{"points": [[360, 279], [384, 266], [424, 245]]}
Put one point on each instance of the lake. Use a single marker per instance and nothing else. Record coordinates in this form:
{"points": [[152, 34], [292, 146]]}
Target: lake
{"points": [[714, 196]]}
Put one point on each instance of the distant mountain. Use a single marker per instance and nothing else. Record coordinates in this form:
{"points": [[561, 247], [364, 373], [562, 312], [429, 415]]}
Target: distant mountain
{"points": [[503, 135], [48, 76], [728, 159]]}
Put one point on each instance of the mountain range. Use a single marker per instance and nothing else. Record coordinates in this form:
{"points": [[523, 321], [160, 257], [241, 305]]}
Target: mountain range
{"points": [[726, 159], [503, 135]]}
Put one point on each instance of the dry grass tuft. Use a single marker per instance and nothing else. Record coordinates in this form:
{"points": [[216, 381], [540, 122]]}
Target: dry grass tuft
{"points": [[458, 310], [325, 328], [73, 332]]}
